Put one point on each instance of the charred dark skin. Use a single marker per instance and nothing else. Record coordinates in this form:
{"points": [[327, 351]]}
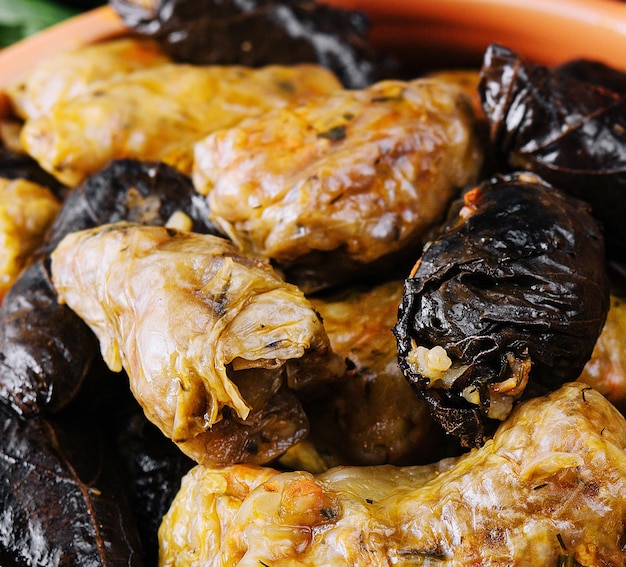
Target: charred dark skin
{"points": [[515, 287], [63, 496], [260, 32], [594, 72], [564, 126], [134, 191], [155, 468], [46, 350]]}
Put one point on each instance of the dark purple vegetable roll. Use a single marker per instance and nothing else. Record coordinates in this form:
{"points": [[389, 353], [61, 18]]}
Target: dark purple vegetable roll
{"points": [[506, 304], [63, 496], [570, 132], [261, 32]]}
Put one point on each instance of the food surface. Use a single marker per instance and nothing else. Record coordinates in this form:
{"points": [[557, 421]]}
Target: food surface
{"points": [[260, 32], [342, 181], [548, 489], [286, 313], [158, 113], [69, 74], [507, 302], [15, 164], [26, 212], [62, 495], [606, 369], [570, 132], [206, 336], [372, 417], [47, 352]]}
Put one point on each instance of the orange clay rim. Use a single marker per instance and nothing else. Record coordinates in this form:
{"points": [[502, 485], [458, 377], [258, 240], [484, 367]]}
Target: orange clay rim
{"points": [[430, 33]]}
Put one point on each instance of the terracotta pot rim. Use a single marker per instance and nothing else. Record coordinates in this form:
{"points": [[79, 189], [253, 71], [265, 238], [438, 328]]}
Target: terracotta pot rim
{"points": [[441, 32]]}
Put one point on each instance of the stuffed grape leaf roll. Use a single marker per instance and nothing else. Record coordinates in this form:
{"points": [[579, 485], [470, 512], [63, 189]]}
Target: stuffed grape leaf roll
{"points": [[548, 489], [215, 344], [344, 185]]}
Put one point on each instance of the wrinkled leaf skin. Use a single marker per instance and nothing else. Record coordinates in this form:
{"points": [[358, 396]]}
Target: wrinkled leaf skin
{"points": [[61, 496], [524, 273], [260, 32], [46, 350], [571, 133]]}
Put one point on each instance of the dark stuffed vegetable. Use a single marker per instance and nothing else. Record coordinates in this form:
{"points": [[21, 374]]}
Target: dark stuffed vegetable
{"points": [[594, 72], [62, 496], [571, 132], [260, 32], [506, 304]]}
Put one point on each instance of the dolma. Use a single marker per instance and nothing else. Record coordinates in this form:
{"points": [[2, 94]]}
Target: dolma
{"points": [[343, 187], [70, 73], [548, 489], [572, 133], [606, 369], [594, 72], [63, 497], [506, 303], [46, 350], [158, 113], [216, 345], [255, 33], [27, 210], [154, 467], [372, 417]]}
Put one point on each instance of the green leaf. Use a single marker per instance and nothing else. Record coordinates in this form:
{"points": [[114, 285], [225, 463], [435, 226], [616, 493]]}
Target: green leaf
{"points": [[21, 19]]}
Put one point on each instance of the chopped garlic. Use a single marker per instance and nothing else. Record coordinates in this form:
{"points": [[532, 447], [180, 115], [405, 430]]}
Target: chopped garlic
{"points": [[180, 221], [472, 395], [431, 363], [500, 406]]}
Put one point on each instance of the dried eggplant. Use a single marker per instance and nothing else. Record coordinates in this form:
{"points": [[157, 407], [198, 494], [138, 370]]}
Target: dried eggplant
{"points": [[46, 350], [149, 193], [18, 165], [261, 32], [62, 497], [571, 133], [507, 303], [594, 72], [155, 468]]}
